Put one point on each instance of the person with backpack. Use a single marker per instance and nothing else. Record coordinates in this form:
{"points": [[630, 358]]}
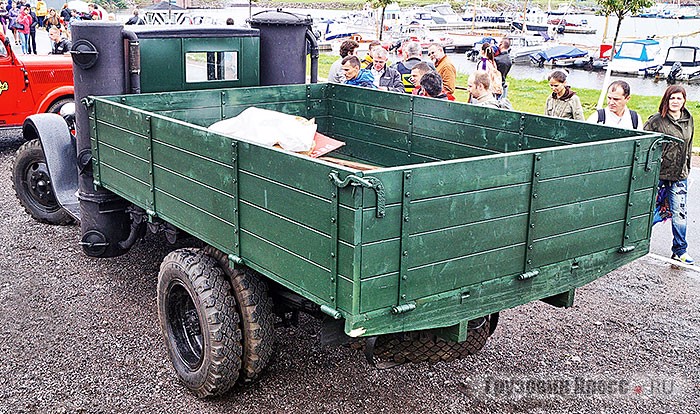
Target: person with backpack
{"points": [[617, 114]]}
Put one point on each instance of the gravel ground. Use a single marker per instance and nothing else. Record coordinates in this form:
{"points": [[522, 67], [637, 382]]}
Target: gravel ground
{"points": [[81, 335]]}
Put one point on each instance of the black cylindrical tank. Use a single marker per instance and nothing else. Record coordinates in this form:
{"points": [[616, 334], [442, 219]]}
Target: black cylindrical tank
{"points": [[98, 69], [282, 46]]}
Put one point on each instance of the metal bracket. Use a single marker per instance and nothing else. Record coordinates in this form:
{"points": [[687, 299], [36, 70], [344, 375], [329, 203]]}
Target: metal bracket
{"points": [[403, 244], [151, 178], [367, 182], [630, 189], [534, 186], [667, 139], [528, 275], [236, 207], [333, 286]]}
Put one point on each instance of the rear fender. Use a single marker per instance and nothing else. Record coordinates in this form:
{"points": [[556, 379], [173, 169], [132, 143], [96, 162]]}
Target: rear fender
{"points": [[60, 154], [53, 96]]}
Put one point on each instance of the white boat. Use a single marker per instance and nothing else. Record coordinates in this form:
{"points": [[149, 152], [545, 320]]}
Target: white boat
{"points": [[682, 63], [443, 13], [533, 21], [635, 57]]}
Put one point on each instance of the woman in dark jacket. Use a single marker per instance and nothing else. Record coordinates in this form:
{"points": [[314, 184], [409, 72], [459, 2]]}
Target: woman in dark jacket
{"points": [[674, 119]]}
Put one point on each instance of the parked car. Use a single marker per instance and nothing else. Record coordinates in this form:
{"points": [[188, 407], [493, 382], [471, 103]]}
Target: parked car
{"points": [[31, 84]]}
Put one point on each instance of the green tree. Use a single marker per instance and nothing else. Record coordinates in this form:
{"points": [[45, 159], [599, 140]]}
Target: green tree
{"points": [[620, 9], [381, 4]]}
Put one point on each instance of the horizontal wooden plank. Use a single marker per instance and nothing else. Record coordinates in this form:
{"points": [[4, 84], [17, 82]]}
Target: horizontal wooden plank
{"points": [[389, 137], [445, 149], [589, 213], [203, 117], [306, 277], [456, 242], [291, 236], [464, 271], [376, 98], [584, 241], [197, 167], [207, 198], [376, 154], [171, 101], [296, 108], [341, 109], [581, 187], [192, 139], [457, 176], [195, 221], [581, 159], [379, 292], [298, 206], [130, 165], [132, 189], [295, 171], [253, 96], [127, 141], [115, 114], [380, 258], [572, 131], [478, 136], [458, 209], [467, 114]]}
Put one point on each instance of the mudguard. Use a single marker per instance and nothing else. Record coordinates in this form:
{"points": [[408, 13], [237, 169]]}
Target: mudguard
{"points": [[61, 157]]}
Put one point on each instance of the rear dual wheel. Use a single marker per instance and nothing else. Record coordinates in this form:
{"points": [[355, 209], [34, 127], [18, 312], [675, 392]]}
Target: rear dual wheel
{"points": [[211, 321]]}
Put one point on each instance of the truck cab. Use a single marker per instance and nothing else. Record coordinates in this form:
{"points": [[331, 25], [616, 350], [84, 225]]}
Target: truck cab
{"points": [[32, 84]]}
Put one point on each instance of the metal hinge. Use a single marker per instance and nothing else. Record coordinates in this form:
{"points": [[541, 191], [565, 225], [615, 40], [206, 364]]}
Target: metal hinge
{"points": [[368, 182]]}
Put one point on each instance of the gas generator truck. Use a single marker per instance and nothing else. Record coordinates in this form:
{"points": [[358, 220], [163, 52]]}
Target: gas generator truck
{"points": [[409, 239]]}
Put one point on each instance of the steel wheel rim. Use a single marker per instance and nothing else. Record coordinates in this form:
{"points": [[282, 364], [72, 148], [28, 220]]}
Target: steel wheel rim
{"points": [[184, 326], [38, 183]]}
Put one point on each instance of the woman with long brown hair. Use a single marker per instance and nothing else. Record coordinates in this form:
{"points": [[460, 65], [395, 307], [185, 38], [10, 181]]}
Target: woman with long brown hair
{"points": [[674, 119]]}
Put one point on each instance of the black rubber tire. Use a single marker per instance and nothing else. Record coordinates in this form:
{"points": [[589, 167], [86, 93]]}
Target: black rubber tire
{"points": [[257, 317], [199, 320], [55, 107], [422, 346], [32, 184]]}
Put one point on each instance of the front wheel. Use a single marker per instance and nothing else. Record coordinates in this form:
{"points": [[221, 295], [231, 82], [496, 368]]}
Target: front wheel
{"points": [[32, 184], [200, 323]]}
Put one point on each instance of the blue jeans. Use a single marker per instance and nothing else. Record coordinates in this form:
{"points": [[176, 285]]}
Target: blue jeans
{"points": [[24, 38], [677, 198]]}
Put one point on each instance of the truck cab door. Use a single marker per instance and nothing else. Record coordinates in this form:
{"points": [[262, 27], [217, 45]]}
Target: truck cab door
{"points": [[16, 100]]}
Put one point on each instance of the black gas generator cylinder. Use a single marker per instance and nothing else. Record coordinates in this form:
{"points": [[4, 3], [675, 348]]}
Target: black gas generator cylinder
{"points": [[98, 69], [283, 47]]}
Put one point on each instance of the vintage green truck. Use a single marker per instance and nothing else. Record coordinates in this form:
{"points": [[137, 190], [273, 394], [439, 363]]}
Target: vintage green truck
{"points": [[464, 212]]}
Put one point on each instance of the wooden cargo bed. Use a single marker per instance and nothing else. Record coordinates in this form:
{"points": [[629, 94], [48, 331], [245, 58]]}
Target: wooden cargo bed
{"points": [[472, 210]]}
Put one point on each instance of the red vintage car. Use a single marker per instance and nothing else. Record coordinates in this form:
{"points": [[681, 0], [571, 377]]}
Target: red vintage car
{"points": [[31, 84]]}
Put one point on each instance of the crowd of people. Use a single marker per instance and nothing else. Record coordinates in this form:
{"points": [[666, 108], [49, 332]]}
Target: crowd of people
{"points": [[487, 86], [23, 20]]}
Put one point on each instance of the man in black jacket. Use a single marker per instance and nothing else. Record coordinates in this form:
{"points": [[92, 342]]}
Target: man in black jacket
{"points": [[503, 63], [59, 44]]}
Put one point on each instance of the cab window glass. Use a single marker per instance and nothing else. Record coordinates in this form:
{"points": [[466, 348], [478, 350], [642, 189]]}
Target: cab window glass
{"points": [[208, 66], [3, 50]]}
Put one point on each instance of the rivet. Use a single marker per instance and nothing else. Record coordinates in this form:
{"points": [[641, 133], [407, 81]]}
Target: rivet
{"points": [[403, 296], [332, 254], [404, 277], [529, 261], [408, 193], [332, 219], [532, 226], [405, 252], [405, 218]]}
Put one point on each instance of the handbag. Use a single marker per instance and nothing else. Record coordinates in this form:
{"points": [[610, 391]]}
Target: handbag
{"points": [[19, 26]]}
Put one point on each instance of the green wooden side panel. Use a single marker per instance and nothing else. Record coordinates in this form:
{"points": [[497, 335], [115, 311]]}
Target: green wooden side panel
{"points": [[386, 137], [378, 291], [212, 228], [127, 164], [126, 186], [466, 114], [447, 150], [298, 240], [108, 113], [475, 206], [290, 108], [464, 271], [189, 139], [571, 131], [125, 141], [379, 99], [371, 116], [492, 139], [173, 101]]}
